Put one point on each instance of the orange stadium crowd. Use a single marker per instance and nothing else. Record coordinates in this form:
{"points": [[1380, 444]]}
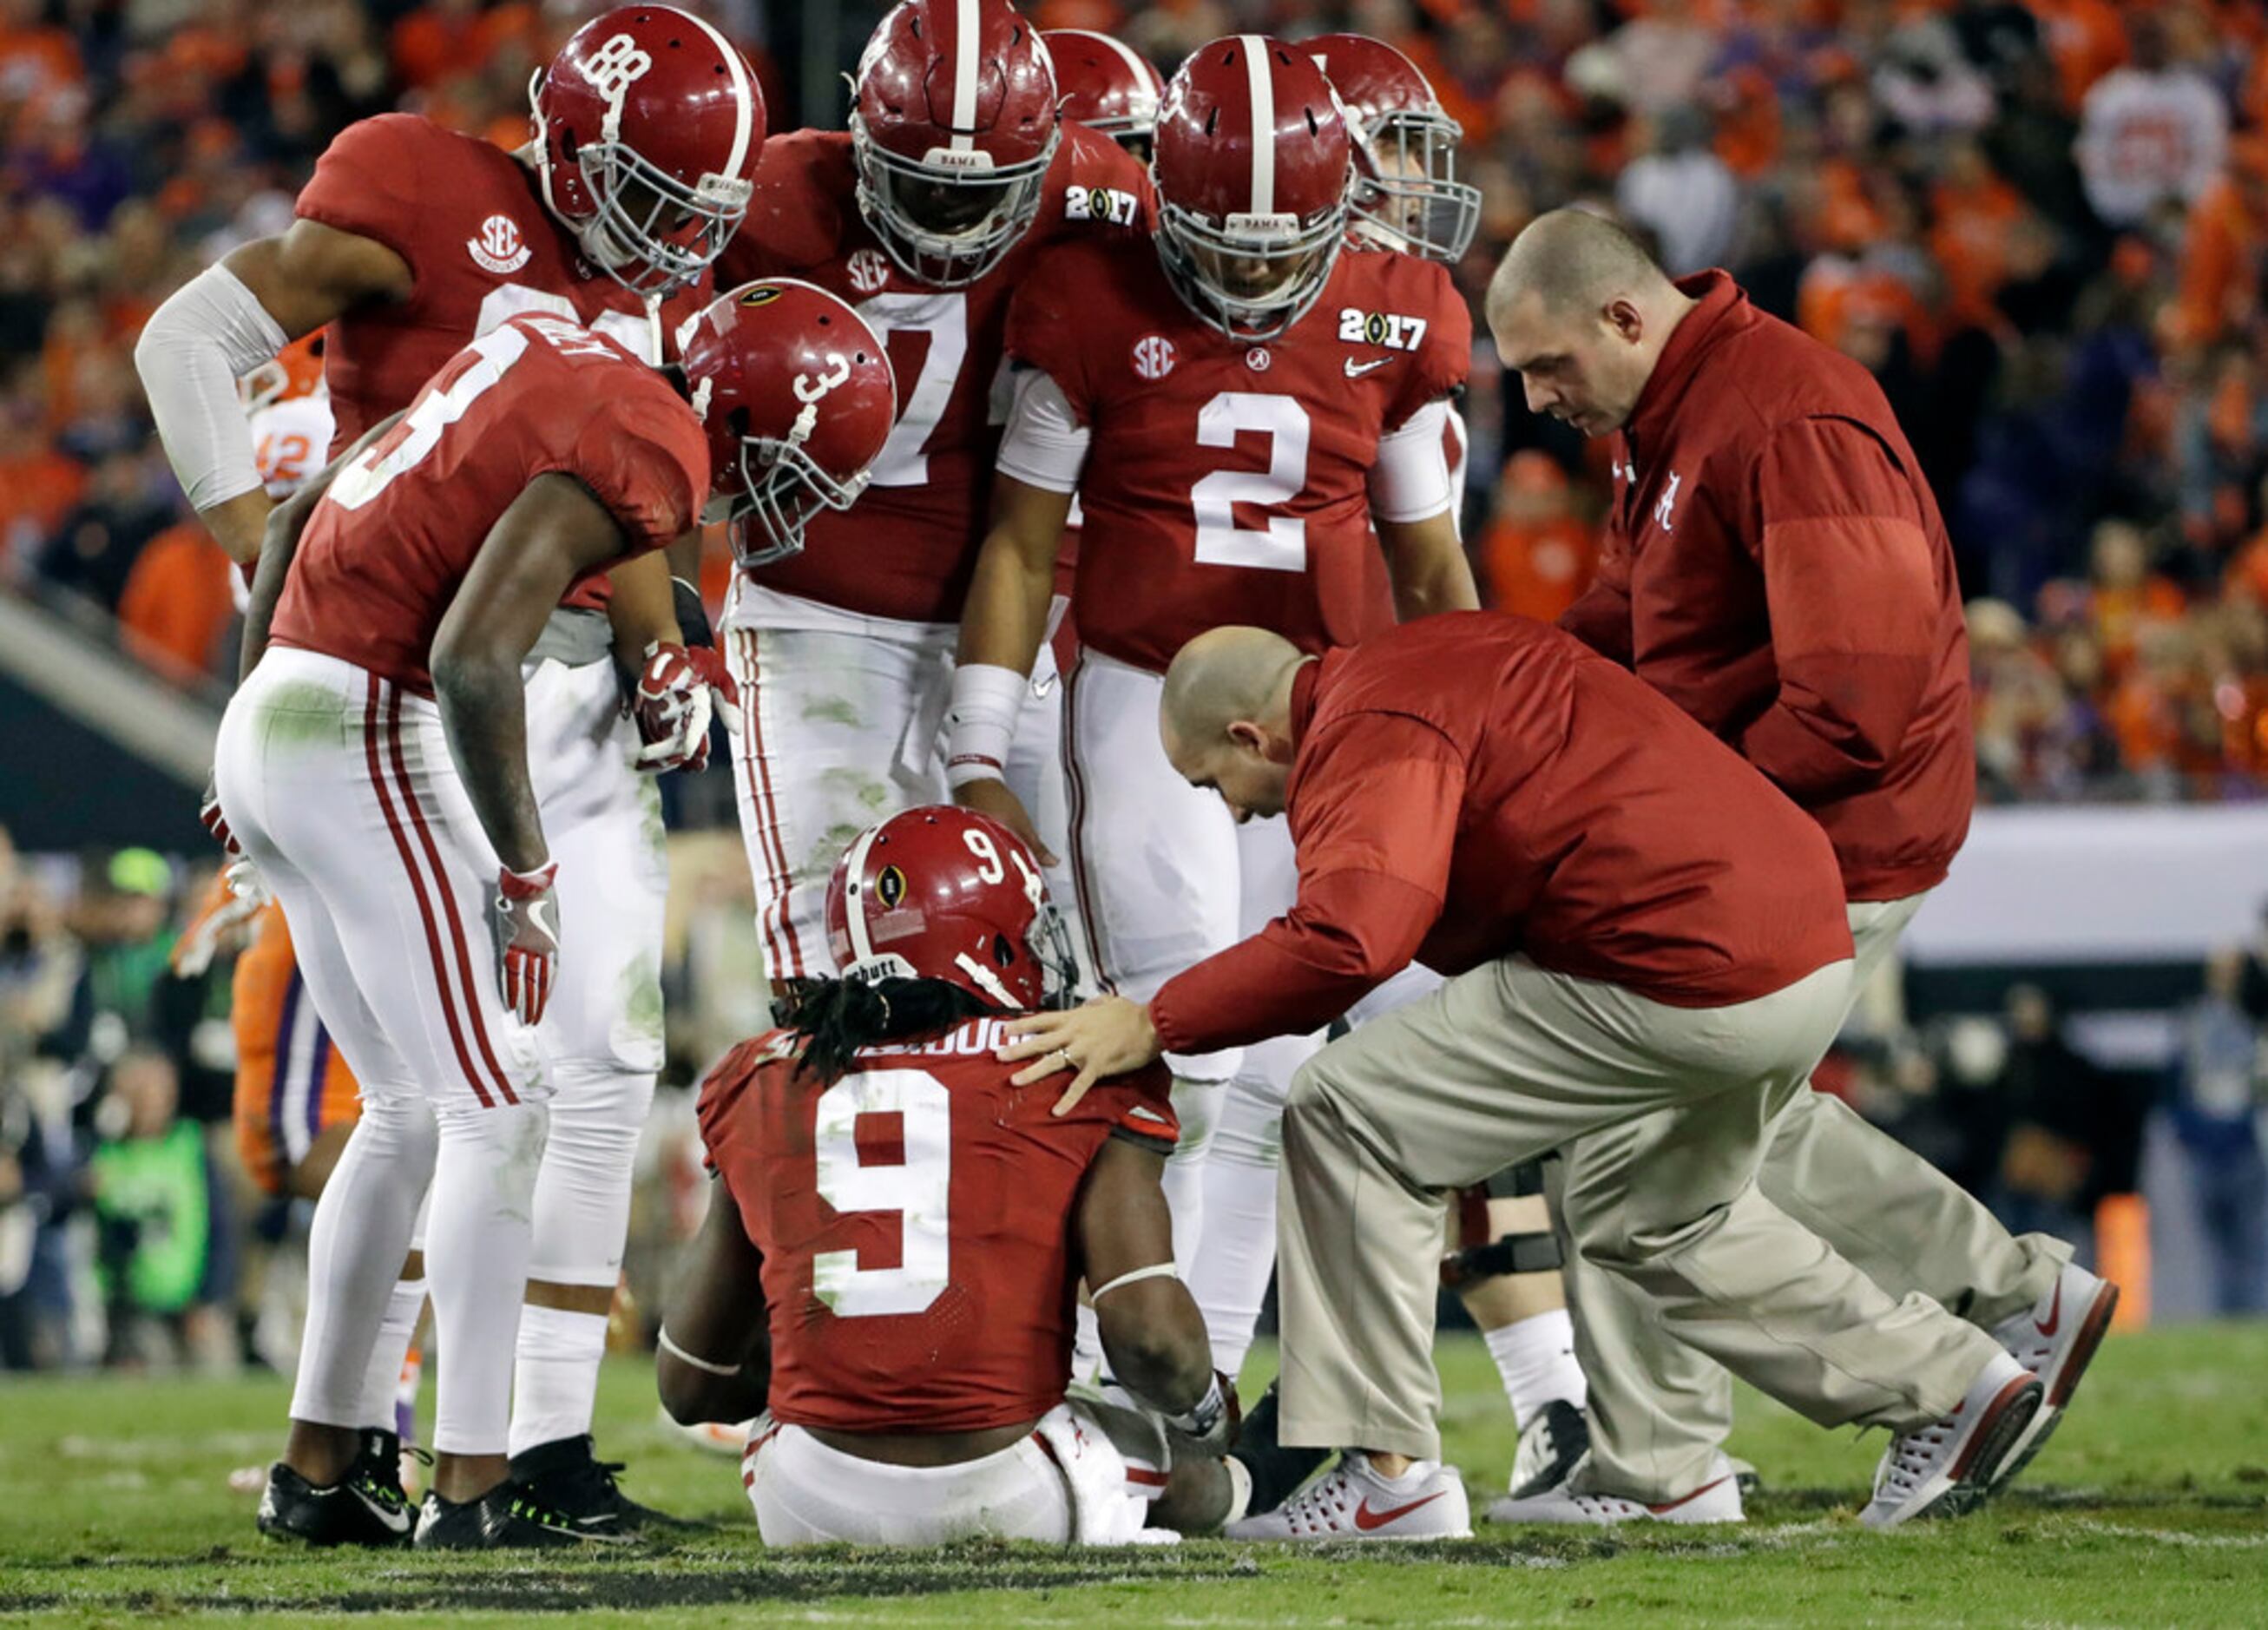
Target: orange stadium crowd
{"points": [[2043, 226]]}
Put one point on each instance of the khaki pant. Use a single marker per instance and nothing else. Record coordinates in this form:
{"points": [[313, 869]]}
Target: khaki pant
{"points": [[1509, 1060], [1659, 1408]]}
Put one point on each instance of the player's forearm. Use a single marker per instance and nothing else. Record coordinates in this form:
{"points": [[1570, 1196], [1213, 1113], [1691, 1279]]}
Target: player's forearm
{"points": [[642, 609], [695, 1398], [208, 334], [1006, 616], [1427, 567], [484, 711]]}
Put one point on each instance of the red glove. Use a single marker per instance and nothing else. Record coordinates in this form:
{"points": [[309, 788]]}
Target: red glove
{"points": [[525, 923], [678, 690]]}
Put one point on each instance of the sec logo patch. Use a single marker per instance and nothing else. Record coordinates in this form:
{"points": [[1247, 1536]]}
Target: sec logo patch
{"points": [[499, 249], [869, 270], [1154, 357]]}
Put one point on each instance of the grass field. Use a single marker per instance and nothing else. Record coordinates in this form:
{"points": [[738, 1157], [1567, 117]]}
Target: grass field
{"points": [[2150, 1508]]}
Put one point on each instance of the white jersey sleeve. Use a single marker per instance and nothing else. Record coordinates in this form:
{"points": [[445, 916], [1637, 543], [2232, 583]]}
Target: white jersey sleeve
{"points": [[1411, 479], [1045, 446]]}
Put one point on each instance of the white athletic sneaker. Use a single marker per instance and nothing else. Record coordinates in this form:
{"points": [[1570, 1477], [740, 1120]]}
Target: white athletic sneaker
{"points": [[1351, 1501], [1718, 1499], [2056, 1341], [1945, 1468]]}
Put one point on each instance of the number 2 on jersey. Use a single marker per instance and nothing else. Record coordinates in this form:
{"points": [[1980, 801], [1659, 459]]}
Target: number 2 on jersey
{"points": [[1282, 545], [914, 1189]]}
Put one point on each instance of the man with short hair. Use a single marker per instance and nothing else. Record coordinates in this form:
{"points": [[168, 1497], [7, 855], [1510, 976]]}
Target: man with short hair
{"points": [[1775, 565], [1642, 939]]}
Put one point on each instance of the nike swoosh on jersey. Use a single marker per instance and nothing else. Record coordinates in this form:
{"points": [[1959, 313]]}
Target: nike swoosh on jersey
{"points": [[1356, 370], [1366, 1519]]}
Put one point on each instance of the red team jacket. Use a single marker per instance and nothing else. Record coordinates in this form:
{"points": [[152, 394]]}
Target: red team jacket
{"points": [[388, 545], [913, 1220], [1774, 563], [1472, 784], [906, 551], [466, 216], [1228, 482]]}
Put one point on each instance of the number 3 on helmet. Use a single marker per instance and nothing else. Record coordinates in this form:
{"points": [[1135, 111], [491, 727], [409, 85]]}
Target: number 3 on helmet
{"points": [[647, 127], [941, 893], [797, 397]]}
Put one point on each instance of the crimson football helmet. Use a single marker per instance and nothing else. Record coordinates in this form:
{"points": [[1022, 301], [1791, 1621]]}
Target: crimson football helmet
{"points": [[647, 127], [1253, 174], [953, 126], [1407, 195], [1106, 87], [797, 397], [941, 893]]}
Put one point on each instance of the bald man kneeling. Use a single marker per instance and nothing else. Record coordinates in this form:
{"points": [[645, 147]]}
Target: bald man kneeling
{"points": [[1635, 924]]}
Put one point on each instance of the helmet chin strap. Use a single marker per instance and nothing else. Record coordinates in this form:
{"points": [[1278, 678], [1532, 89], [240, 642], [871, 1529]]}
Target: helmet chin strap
{"points": [[986, 977]]}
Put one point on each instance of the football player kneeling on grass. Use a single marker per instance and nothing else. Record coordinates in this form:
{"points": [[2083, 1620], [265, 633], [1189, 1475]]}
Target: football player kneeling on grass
{"points": [[896, 1237]]}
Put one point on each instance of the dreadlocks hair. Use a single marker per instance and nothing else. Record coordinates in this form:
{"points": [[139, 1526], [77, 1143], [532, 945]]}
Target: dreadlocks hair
{"points": [[836, 1017]]}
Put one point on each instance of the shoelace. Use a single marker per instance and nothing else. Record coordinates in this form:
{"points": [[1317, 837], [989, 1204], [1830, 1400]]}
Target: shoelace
{"points": [[388, 1488]]}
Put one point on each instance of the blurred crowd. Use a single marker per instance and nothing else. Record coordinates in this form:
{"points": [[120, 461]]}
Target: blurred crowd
{"points": [[2043, 225], [131, 1232]]}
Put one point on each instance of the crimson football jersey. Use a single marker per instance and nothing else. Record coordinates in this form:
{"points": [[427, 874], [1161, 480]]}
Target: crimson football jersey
{"points": [[386, 548], [1225, 482], [914, 1220], [907, 549], [468, 217]]}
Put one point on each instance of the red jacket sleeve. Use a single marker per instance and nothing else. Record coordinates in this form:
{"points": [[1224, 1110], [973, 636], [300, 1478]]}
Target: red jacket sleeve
{"points": [[1851, 584], [1375, 823], [1601, 616]]}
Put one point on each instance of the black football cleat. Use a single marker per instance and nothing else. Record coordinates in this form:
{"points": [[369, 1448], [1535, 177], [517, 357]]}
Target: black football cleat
{"points": [[366, 1507], [567, 1480], [1276, 1472], [502, 1519], [1555, 1438]]}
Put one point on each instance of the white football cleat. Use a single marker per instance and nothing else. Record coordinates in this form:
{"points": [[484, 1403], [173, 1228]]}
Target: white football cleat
{"points": [[2056, 1341], [1718, 1499], [1946, 1468], [1352, 1501]]}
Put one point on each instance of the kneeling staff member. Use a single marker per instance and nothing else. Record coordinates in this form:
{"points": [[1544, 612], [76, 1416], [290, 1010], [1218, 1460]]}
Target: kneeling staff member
{"points": [[1633, 920]]}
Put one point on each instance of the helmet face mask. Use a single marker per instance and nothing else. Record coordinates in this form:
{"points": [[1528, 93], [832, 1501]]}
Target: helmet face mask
{"points": [[947, 217], [650, 232], [1407, 195], [781, 489], [1252, 277]]}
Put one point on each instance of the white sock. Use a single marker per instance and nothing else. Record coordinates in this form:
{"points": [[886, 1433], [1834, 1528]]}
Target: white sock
{"points": [[1197, 1106], [1085, 1345], [362, 1231], [389, 1357], [1236, 1254], [556, 1376], [582, 1218], [479, 1234], [1536, 1358]]}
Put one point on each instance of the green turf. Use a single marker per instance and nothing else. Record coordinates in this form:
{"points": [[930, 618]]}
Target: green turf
{"points": [[2150, 1508]]}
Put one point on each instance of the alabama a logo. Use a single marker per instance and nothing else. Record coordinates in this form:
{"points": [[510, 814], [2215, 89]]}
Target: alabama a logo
{"points": [[1667, 502], [1154, 357], [869, 271], [499, 249]]}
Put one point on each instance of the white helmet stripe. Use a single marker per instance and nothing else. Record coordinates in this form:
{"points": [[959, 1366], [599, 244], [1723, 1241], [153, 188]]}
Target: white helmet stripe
{"points": [[1144, 95], [744, 97], [862, 947], [967, 30], [1261, 81]]}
